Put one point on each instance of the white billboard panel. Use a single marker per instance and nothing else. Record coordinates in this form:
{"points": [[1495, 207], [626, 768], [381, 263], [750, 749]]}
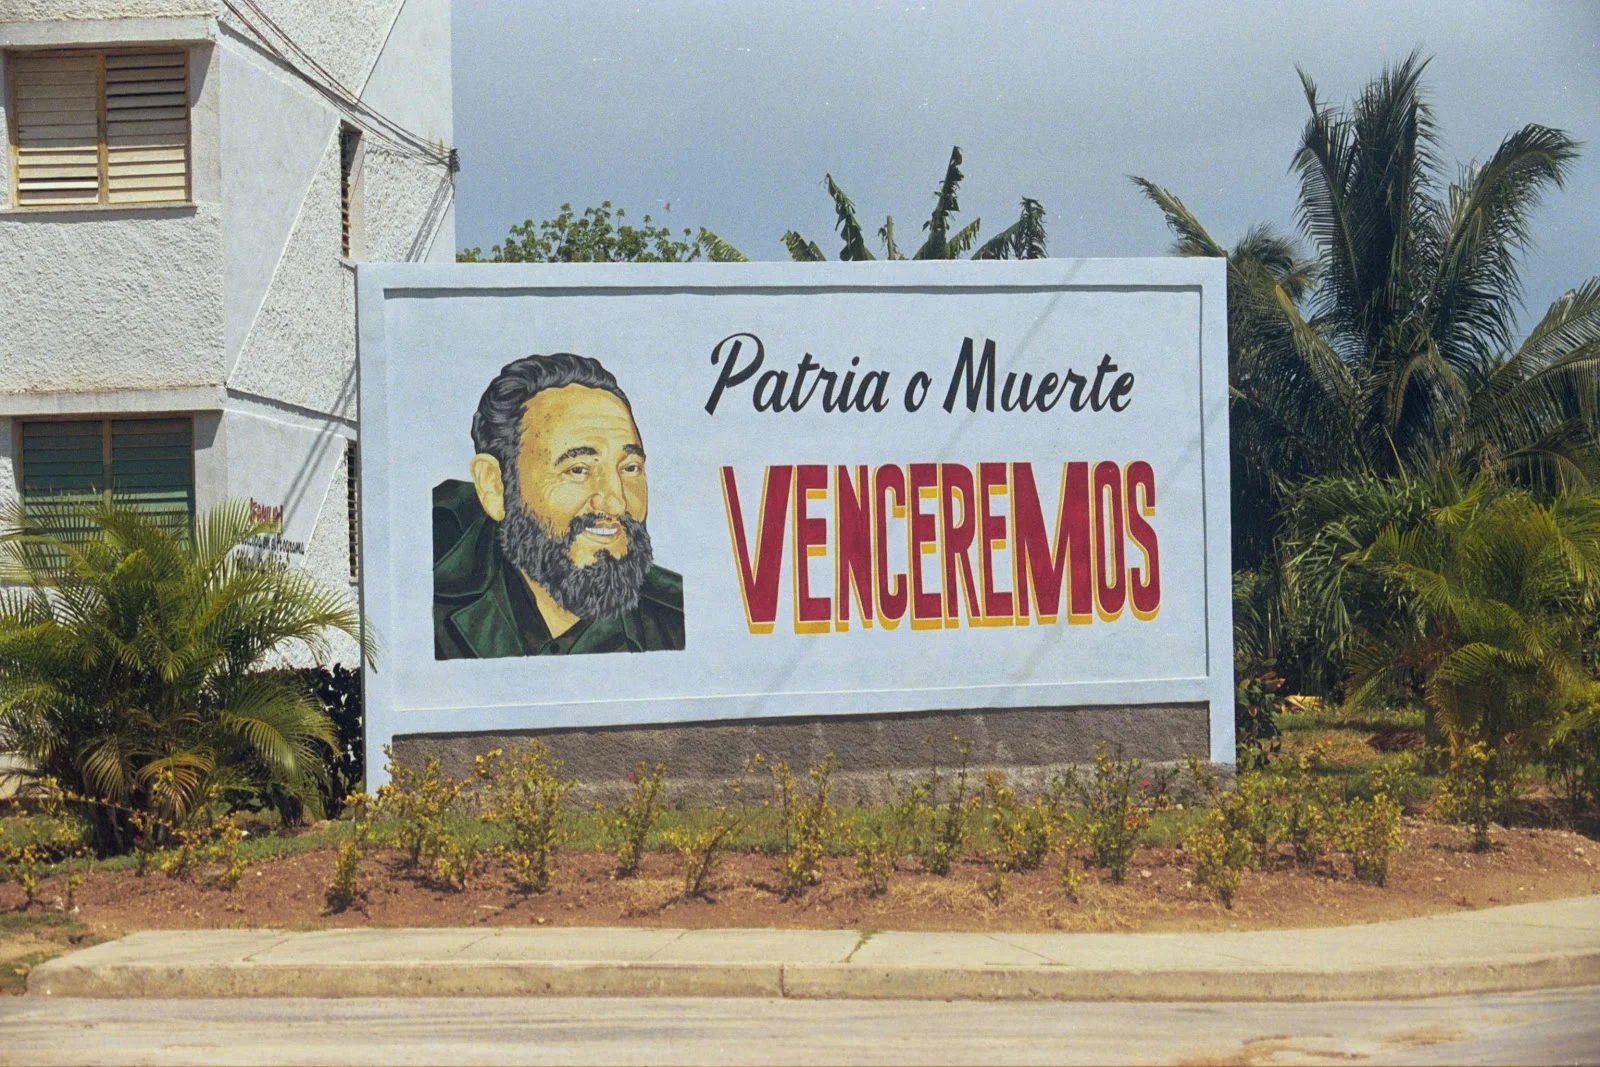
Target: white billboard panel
{"points": [[792, 489]]}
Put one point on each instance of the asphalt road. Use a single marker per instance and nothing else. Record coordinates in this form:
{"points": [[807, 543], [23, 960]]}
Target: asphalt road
{"points": [[1549, 1027]]}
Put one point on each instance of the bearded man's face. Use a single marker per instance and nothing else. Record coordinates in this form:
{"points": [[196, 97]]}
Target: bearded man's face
{"points": [[576, 501]]}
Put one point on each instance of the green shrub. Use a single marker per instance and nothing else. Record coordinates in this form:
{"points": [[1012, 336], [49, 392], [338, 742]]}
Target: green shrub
{"points": [[1116, 803], [805, 818], [1573, 763], [414, 809], [702, 847], [1476, 790], [523, 793], [1023, 832], [629, 825], [1307, 809], [879, 844], [345, 889], [1220, 852], [129, 646], [944, 832], [1369, 834]]}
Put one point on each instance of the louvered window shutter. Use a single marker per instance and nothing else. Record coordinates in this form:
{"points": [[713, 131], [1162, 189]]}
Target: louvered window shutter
{"points": [[57, 128], [152, 468], [100, 128], [63, 461], [146, 464], [147, 127]]}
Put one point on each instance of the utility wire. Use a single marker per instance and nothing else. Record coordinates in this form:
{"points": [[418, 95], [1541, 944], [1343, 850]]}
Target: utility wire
{"points": [[304, 66]]}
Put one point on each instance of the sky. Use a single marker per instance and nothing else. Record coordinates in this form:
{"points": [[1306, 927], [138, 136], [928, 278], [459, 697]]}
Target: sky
{"points": [[730, 112]]}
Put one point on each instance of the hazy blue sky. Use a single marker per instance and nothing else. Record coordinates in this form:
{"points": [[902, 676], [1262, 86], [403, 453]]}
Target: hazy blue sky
{"points": [[733, 111]]}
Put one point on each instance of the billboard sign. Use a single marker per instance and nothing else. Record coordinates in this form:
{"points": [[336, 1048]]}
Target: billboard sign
{"points": [[599, 495]]}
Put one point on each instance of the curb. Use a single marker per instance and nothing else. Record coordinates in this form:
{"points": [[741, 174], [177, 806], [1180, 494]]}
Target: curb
{"points": [[809, 981]]}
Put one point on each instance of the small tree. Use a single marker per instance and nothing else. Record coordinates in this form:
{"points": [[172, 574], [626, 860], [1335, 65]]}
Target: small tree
{"points": [[132, 656], [597, 236]]}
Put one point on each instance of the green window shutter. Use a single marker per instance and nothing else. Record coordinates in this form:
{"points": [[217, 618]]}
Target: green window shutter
{"points": [[63, 461], [152, 468]]}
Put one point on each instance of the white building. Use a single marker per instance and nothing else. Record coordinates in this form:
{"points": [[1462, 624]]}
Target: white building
{"points": [[188, 185]]}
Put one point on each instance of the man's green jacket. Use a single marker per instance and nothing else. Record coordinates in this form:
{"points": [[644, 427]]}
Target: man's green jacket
{"points": [[482, 607]]}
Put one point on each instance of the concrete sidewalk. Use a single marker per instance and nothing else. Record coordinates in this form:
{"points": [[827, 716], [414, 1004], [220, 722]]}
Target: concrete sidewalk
{"points": [[1527, 946]]}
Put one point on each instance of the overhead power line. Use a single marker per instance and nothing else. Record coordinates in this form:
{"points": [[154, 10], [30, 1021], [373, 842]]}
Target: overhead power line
{"points": [[277, 42]]}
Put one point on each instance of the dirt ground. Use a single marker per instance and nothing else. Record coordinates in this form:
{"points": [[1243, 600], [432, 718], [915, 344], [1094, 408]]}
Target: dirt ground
{"points": [[1434, 873]]}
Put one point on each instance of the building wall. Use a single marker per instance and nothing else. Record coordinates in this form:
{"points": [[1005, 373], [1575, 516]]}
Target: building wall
{"points": [[241, 299], [109, 298], [74, 10]]}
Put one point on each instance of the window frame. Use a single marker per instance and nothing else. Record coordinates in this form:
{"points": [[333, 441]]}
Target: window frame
{"points": [[105, 421], [13, 130]]}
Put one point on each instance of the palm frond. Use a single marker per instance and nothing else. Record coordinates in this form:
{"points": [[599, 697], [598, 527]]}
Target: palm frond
{"points": [[855, 242], [718, 250], [802, 250]]}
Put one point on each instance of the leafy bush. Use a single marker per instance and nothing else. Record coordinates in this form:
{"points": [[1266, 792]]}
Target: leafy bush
{"points": [[878, 845], [524, 793], [1258, 697], [629, 825], [1117, 801], [415, 809], [338, 690], [130, 647], [1022, 831], [1250, 812], [345, 889], [1474, 793], [1369, 834], [1308, 807], [1574, 764], [943, 833], [51, 834], [1220, 851], [805, 817], [702, 848]]}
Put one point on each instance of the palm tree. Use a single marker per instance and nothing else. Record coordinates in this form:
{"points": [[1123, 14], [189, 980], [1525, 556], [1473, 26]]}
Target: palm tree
{"points": [[1473, 598], [1393, 352], [134, 662], [1494, 595]]}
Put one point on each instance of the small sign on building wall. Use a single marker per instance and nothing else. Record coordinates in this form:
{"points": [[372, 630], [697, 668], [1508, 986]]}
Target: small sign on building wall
{"points": [[599, 495]]}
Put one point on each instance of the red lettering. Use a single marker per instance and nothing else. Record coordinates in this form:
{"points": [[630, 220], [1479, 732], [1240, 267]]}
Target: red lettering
{"points": [[1042, 568], [997, 604], [852, 546], [758, 585], [892, 594], [1110, 573], [1144, 583], [955, 542], [811, 613], [927, 609]]}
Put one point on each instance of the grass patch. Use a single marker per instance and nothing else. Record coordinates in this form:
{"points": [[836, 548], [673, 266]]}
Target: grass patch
{"points": [[14, 921], [14, 973]]}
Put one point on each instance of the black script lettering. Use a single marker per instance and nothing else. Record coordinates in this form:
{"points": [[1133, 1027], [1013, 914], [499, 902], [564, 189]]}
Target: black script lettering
{"points": [[981, 376], [1122, 390], [729, 376], [917, 390], [1100, 372]]}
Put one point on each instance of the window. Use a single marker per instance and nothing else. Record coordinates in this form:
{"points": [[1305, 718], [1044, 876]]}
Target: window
{"points": [[98, 127], [352, 503], [349, 191], [143, 463]]}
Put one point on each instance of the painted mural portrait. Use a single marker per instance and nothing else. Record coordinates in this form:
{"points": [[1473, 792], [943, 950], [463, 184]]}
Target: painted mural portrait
{"points": [[544, 551]]}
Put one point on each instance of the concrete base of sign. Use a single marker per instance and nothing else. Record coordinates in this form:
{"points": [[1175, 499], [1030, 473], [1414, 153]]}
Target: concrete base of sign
{"points": [[1029, 744]]}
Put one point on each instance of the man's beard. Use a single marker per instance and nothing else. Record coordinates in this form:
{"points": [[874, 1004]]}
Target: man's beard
{"points": [[607, 586]]}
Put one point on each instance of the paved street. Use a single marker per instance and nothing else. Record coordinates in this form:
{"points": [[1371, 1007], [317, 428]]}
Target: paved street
{"points": [[1554, 1027]]}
